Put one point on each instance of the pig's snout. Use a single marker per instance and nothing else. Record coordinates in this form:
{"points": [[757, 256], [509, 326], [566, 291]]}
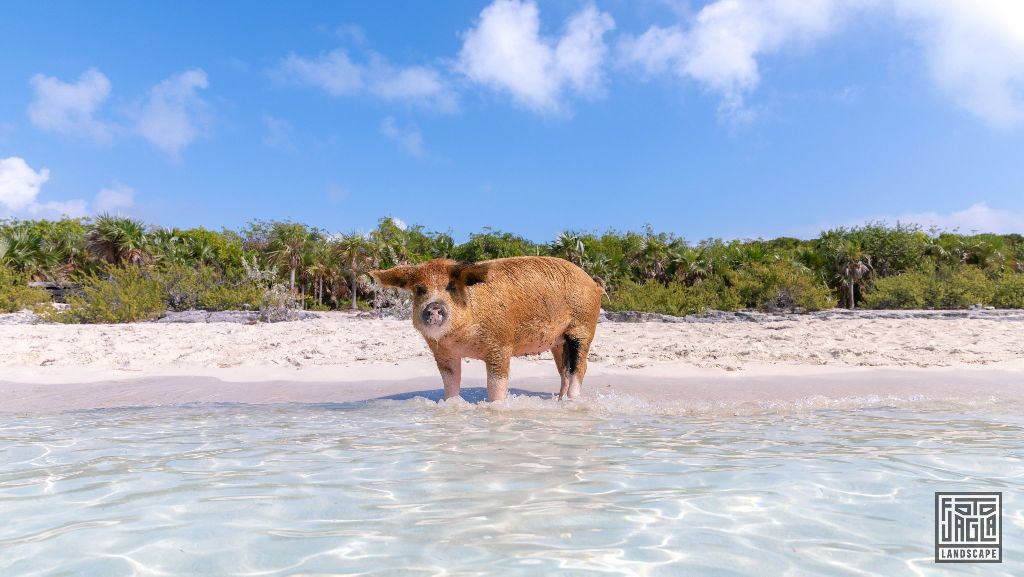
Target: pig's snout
{"points": [[434, 314]]}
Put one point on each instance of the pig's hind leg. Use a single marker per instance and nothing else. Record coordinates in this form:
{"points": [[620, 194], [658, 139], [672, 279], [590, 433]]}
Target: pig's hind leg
{"points": [[558, 352], [574, 360]]}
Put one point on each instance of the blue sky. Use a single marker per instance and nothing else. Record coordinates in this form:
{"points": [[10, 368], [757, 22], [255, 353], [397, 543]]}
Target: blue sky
{"points": [[732, 118]]}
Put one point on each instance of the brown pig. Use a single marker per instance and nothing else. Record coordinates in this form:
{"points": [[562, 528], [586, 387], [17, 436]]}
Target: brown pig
{"points": [[497, 309]]}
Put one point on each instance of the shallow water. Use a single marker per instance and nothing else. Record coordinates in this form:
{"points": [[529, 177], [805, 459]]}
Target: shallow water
{"points": [[532, 487]]}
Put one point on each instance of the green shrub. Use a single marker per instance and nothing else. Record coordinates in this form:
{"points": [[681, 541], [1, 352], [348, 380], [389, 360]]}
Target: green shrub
{"points": [[905, 291], [673, 299], [1009, 292], [966, 286], [958, 288], [780, 287], [204, 288], [719, 294], [226, 297], [183, 286], [15, 294], [776, 287], [118, 295]]}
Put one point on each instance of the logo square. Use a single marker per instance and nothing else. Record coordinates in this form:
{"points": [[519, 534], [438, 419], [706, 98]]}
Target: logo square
{"points": [[968, 527]]}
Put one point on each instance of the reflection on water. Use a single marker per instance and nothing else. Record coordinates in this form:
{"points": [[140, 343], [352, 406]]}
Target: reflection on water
{"points": [[533, 487]]}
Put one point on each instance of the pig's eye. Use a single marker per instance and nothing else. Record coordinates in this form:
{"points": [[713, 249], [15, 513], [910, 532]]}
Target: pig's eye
{"points": [[421, 290], [451, 287]]}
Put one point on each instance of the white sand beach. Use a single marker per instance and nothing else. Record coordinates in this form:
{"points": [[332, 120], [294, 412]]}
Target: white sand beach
{"points": [[339, 357]]}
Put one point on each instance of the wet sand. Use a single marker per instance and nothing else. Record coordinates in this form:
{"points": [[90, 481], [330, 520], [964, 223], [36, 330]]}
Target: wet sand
{"points": [[681, 390]]}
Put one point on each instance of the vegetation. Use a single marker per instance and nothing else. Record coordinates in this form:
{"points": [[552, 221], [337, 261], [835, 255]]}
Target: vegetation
{"points": [[1009, 292], [118, 295], [128, 270], [781, 287], [904, 291], [206, 288], [958, 288], [15, 294], [671, 299]]}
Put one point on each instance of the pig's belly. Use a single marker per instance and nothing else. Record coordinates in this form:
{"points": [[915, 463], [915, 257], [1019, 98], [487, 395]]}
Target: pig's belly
{"points": [[529, 338], [537, 340]]}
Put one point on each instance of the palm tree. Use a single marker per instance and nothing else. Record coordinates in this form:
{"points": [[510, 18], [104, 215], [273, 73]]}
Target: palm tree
{"points": [[854, 265], [286, 245], [26, 251], [68, 246], [811, 259], [201, 251], [389, 243], [938, 250], [982, 253], [653, 255], [118, 240], [599, 266], [357, 250], [166, 245], [316, 267], [569, 246], [692, 264]]}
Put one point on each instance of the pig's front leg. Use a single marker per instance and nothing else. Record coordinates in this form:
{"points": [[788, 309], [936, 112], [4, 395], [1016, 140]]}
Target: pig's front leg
{"points": [[497, 375], [451, 373]]}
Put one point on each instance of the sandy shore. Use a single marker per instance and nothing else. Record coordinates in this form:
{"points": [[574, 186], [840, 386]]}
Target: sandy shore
{"points": [[340, 358]]}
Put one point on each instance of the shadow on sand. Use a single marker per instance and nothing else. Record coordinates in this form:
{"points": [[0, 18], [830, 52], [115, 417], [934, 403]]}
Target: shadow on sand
{"points": [[470, 394]]}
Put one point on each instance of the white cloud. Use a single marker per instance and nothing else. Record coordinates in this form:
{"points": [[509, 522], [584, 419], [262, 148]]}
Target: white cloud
{"points": [[974, 49], [19, 183], [333, 72], [114, 199], [657, 51], [59, 208], [506, 52], [413, 84], [409, 139], [978, 217], [337, 194], [173, 114], [975, 53], [279, 133], [20, 186], [70, 108], [352, 33], [337, 74], [720, 49]]}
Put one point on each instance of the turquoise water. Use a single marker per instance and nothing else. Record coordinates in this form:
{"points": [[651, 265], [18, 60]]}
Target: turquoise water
{"points": [[533, 487]]}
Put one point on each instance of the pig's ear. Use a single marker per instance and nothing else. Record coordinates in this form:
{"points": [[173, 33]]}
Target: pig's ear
{"points": [[398, 277], [470, 273]]}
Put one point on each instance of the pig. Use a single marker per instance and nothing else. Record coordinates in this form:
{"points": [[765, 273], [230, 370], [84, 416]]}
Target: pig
{"points": [[496, 309]]}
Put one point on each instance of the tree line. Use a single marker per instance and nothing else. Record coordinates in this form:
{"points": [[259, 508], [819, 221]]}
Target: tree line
{"points": [[879, 265]]}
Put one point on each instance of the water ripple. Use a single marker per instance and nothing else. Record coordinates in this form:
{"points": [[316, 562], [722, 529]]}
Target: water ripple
{"points": [[529, 487]]}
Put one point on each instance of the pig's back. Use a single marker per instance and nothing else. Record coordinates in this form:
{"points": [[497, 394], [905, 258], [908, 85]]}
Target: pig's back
{"points": [[540, 271], [540, 287]]}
